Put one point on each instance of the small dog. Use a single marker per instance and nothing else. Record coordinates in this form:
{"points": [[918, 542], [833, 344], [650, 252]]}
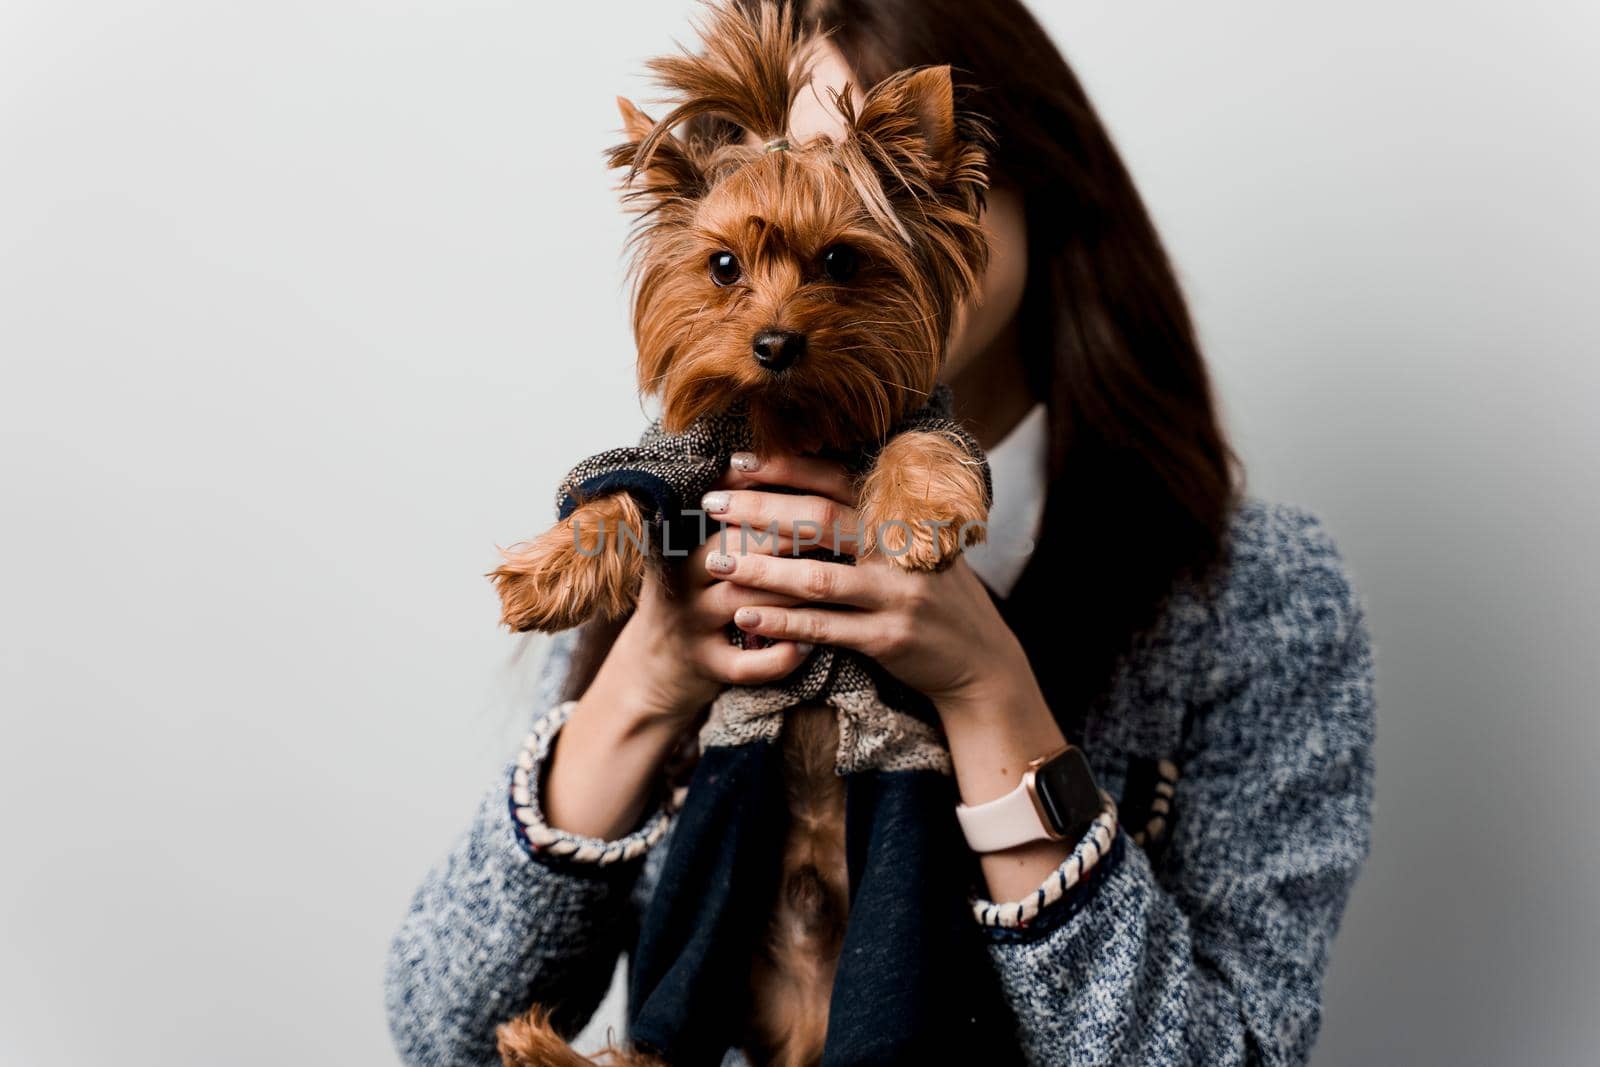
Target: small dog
{"points": [[811, 289]]}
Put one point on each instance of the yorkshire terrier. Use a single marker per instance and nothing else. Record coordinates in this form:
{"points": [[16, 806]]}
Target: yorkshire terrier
{"points": [[808, 290]]}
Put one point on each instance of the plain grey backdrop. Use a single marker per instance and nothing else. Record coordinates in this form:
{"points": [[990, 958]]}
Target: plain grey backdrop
{"points": [[305, 305]]}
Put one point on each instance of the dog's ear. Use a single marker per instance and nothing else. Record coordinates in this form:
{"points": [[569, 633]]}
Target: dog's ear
{"points": [[908, 138], [660, 167], [635, 123], [911, 132], [912, 114], [918, 165]]}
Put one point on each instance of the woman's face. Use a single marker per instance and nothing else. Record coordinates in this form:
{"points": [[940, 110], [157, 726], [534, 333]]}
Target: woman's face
{"points": [[979, 324]]}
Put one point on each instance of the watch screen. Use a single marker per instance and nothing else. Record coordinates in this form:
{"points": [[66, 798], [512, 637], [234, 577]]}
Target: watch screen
{"points": [[1068, 794]]}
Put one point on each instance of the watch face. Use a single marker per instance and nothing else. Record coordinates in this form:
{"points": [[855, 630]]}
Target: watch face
{"points": [[1069, 800]]}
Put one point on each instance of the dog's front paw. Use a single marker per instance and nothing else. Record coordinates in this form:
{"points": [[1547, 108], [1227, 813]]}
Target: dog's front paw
{"points": [[588, 564], [923, 501]]}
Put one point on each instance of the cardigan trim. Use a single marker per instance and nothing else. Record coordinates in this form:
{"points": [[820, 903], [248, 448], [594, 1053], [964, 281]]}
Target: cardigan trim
{"points": [[527, 812], [1073, 871]]}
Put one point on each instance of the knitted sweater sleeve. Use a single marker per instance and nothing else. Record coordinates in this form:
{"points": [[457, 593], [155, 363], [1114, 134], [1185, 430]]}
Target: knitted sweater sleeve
{"points": [[497, 926], [1216, 954]]}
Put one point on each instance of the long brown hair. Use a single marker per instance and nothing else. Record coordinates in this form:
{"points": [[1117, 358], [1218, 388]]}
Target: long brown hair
{"points": [[1141, 478]]}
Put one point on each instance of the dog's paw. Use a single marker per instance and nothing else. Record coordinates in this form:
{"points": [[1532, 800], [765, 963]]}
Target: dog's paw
{"points": [[589, 564], [923, 502]]}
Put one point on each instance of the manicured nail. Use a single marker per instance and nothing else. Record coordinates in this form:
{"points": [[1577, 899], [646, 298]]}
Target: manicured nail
{"points": [[717, 563], [804, 647], [714, 503], [748, 462], [747, 617]]}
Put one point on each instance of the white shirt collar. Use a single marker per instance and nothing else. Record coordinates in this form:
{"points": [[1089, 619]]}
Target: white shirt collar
{"points": [[1017, 466]]}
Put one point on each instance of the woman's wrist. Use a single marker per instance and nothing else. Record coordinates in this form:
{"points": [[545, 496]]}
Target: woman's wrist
{"points": [[645, 687], [607, 760], [990, 696], [995, 725], [995, 729]]}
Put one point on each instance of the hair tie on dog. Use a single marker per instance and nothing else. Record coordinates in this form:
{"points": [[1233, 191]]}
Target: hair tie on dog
{"points": [[778, 144]]}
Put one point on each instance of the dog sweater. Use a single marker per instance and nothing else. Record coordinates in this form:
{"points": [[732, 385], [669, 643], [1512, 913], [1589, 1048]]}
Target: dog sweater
{"points": [[910, 925]]}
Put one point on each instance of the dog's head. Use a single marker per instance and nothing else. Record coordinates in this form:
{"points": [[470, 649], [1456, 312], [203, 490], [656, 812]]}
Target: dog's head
{"points": [[814, 283]]}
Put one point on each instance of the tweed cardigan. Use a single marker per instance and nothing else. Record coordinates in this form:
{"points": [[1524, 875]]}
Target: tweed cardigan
{"points": [[1237, 741]]}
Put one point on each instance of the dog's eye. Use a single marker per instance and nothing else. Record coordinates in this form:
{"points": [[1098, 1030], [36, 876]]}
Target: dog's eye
{"points": [[724, 268], [840, 263]]}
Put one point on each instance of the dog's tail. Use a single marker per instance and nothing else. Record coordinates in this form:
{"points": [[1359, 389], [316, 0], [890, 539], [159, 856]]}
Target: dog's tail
{"points": [[530, 1041]]}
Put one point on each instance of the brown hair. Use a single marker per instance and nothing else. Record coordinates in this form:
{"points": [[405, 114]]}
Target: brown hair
{"points": [[1141, 478]]}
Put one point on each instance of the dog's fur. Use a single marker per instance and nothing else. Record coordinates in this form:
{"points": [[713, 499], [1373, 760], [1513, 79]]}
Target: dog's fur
{"points": [[903, 188]]}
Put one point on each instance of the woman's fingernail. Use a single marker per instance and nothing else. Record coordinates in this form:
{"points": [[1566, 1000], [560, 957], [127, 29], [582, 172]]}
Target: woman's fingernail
{"points": [[747, 617], [748, 462], [804, 647], [717, 563], [714, 503]]}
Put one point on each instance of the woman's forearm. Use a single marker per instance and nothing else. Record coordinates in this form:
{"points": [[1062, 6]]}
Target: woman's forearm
{"points": [[607, 760], [994, 730]]}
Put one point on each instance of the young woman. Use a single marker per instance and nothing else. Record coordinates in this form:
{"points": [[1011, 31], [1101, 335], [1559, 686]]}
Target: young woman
{"points": [[1205, 652]]}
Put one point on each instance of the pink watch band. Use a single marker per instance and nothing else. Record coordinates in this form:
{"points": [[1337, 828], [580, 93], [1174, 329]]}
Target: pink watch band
{"points": [[1004, 823]]}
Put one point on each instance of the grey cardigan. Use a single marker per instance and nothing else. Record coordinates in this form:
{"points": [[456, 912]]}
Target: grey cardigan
{"points": [[1203, 937]]}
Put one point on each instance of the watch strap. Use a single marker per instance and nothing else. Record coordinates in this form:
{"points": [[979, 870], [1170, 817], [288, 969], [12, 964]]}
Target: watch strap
{"points": [[1005, 822]]}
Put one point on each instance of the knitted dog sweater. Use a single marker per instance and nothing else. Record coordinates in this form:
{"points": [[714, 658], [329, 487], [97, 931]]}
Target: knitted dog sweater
{"points": [[910, 921]]}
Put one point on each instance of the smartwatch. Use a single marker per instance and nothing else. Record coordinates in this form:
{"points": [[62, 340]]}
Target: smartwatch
{"points": [[1057, 800]]}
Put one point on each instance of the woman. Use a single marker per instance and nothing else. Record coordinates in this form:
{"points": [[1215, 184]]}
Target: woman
{"points": [[1205, 653]]}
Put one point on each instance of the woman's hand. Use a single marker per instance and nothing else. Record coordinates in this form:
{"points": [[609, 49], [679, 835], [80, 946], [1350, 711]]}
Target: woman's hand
{"points": [[938, 633], [674, 652], [669, 661]]}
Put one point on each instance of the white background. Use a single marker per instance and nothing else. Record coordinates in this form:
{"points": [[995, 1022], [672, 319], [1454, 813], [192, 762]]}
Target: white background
{"points": [[305, 305]]}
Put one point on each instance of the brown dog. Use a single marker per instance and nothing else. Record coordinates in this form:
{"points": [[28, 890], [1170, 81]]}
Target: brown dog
{"points": [[814, 284]]}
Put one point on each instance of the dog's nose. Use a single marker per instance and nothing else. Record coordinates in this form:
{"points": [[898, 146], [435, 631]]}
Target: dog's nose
{"points": [[778, 349]]}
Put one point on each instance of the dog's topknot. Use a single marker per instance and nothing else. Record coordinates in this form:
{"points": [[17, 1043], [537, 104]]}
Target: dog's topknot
{"points": [[751, 70]]}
